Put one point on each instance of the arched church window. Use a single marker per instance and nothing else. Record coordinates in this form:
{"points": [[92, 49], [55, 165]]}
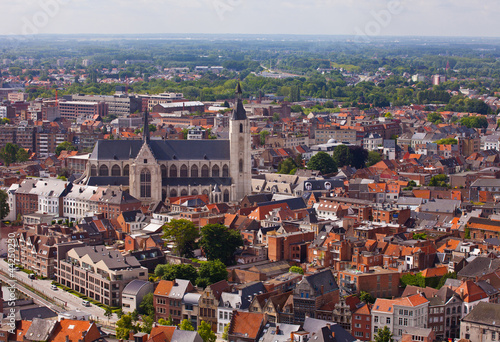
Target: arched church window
{"points": [[126, 170], [173, 171], [103, 170], [225, 171], [241, 165], [204, 171], [173, 193], [241, 128], [116, 171], [194, 171], [215, 171], [184, 192], [194, 192], [93, 171], [184, 171], [145, 183], [163, 169], [226, 196]]}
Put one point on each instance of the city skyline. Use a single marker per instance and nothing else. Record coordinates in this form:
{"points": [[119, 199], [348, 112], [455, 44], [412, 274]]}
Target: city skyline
{"points": [[318, 17]]}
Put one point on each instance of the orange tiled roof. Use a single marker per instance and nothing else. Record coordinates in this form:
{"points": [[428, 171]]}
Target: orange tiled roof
{"points": [[21, 330], [71, 330], [261, 212], [246, 324], [434, 272], [471, 292], [164, 287], [167, 330]]}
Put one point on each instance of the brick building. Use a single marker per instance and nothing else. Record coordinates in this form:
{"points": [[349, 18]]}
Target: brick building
{"points": [[289, 246], [378, 282]]}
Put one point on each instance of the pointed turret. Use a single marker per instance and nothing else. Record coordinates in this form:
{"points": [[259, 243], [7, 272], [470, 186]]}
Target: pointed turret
{"points": [[239, 112], [145, 131]]}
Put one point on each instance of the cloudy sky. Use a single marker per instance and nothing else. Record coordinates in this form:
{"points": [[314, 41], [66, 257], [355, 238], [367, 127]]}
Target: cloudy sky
{"points": [[330, 17]]}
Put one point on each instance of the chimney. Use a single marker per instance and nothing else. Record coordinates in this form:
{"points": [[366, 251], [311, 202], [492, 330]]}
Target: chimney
{"points": [[67, 338], [322, 289], [461, 293], [277, 330]]}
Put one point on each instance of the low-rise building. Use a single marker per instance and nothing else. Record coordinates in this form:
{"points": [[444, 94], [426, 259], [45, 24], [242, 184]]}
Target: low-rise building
{"points": [[481, 324]]}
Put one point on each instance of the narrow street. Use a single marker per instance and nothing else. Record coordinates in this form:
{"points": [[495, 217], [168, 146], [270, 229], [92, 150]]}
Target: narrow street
{"points": [[62, 300]]}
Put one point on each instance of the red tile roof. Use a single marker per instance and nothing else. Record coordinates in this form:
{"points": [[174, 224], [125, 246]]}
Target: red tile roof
{"points": [[246, 324]]}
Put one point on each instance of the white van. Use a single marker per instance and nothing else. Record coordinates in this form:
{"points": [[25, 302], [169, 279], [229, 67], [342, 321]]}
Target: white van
{"points": [[86, 303], [53, 287]]}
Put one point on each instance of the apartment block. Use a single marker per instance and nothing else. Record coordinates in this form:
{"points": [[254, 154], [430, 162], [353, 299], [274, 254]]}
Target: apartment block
{"points": [[99, 273]]}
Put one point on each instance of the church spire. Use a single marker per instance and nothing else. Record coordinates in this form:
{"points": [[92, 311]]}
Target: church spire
{"points": [[239, 112], [145, 131]]}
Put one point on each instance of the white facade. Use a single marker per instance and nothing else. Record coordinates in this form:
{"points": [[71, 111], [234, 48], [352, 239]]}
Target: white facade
{"points": [[77, 203], [11, 199], [49, 193]]}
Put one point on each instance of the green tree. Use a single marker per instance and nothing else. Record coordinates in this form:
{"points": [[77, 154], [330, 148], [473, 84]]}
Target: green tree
{"points": [[366, 297], [342, 155], [184, 234], [108, 313], [213, 271], [124, 326], [479, 121], [296, 109], [163, 321], [287, 166], [147, 324], [358, 157], [225, 334], [4, 205], [296, 269], [412, 279], [439, 180], [206, 333], [467, 232], [8, 153], [263, 135], [22, 155], [152, 128], [186, 325], [65, 146], [220, 242], [383, 335], [446, 141], [435, 118], [419, 236], [323, 162], [373, 158], [178, 271], [146, 305]]}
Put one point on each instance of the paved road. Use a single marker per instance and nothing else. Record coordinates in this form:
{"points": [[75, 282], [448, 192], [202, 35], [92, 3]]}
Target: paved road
{"points": [[60, 297]]}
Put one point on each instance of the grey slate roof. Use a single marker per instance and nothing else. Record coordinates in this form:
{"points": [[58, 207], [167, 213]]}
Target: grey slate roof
{"points": [[293, 203], [134, 286], [484, 313], [282, 334], [323, 278], [196, 181], [479, 267], [40, 330], [113, 259], [313, 325], [185, 336], [179, 289], [162, 149]]}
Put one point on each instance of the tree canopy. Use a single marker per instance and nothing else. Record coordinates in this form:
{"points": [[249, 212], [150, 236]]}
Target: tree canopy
{"points": [[177, 271], [4, 205], [206, 333], [65, 146], [383, 335], [220, 242], [184, 235], [323, 162]]}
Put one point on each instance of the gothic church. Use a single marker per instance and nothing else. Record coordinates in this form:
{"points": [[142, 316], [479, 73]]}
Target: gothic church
{"points": [[156, 169]]}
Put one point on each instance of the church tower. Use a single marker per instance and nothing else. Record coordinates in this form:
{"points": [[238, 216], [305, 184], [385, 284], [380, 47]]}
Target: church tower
{"points": [[240, 145], [145, 174]]}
